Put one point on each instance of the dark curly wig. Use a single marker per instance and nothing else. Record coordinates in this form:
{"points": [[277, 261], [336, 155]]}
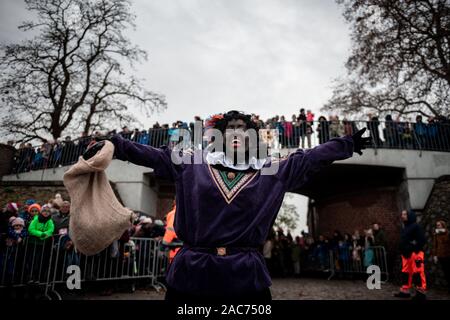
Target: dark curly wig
{"points": [[221, 123]]}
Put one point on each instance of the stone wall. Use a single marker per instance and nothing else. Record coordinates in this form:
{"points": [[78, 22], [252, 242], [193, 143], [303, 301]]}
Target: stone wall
{"points": [[40, 191], [437, 208], [43, 191]]}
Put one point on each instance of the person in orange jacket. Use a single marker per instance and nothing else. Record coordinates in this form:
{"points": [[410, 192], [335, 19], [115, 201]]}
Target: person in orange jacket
{"points": [[412, 241], [170, 237]]}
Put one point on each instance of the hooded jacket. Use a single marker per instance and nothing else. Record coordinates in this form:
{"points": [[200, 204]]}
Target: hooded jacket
{"points": [[412, 237], [41, 230]]}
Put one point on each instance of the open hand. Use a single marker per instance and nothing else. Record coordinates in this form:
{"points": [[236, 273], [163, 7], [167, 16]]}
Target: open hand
{"points": [[360, 143]]}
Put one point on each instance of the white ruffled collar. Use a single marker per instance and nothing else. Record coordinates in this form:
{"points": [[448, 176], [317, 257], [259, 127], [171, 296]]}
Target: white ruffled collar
{"points": [[218, 157]]}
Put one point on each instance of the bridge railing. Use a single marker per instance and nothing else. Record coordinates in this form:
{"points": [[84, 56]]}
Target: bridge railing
{"points": [[385, 134]]}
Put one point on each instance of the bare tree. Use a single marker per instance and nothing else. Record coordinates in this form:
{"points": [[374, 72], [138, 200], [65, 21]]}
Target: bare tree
{"points": [[287, 217], [70, 77], [400, 59]]}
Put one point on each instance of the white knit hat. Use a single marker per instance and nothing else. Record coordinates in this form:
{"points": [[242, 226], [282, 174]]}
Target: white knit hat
{"points": [[18, 221]]}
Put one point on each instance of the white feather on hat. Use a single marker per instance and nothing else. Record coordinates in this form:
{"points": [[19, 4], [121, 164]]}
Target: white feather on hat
{"points": [[58, 200], [146, 220]]}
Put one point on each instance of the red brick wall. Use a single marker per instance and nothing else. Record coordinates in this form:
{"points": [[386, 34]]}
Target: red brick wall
{"points": [[163, 207], [351, 211]]}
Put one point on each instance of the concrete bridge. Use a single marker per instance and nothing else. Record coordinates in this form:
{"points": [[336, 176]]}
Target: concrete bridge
{"points": [[349, 195], [416, 170], [353, 193], [134, 184], [412, 172]]}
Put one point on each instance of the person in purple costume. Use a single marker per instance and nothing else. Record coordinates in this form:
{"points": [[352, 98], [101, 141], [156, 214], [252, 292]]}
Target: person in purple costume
{"points": [[226, 207]]}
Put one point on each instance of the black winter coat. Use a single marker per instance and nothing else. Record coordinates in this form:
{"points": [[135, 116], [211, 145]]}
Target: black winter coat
{"points": [[412, 237]]}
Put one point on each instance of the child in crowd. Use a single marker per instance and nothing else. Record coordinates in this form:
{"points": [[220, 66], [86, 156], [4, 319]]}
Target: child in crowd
{"points": [[33, 211], [17, 232], [42, 227], [40, 230]]}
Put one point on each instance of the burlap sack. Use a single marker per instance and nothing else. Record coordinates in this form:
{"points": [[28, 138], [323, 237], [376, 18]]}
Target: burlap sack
{"points": [[96, 216]]}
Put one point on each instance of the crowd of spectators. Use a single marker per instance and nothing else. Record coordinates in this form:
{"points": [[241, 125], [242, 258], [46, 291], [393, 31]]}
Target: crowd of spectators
{"points": [[29, 228], [302, 130], [45, 227], [46, 224], [343, 252], [30, 232]]}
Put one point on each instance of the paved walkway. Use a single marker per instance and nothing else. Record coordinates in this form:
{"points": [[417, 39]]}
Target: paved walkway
{"points": [[299, 289]]}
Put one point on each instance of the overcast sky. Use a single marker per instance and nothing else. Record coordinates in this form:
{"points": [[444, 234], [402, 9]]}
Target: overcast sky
{"points": [[261, 56], [207, 56]]}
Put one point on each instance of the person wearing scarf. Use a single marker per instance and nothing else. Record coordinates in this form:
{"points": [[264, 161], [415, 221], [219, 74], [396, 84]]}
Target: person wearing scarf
{"points": [[17, 232]]}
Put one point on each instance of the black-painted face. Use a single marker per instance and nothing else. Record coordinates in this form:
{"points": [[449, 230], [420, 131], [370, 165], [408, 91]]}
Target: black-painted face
{"points": [[235, 138]]}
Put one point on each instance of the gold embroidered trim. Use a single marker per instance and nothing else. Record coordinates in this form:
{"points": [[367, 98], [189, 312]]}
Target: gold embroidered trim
{"points": [[229, 195]]}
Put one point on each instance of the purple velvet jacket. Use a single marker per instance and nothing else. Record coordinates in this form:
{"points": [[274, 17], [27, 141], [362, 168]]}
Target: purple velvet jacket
{"points": [[214, 210]]}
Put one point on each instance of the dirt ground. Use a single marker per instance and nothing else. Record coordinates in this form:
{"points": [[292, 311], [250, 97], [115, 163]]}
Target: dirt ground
{"points": [[294, 289]]}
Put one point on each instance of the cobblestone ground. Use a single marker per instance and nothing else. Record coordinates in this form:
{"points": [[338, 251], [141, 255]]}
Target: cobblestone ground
{"points": [[299, 289]]}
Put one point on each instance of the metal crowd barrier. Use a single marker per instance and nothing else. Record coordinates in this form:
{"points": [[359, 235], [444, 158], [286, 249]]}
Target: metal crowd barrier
{"points": [[318, 261], [139, 258], [161, 264], [44, 265], [433, 136], [349, 262], [26, 263]]}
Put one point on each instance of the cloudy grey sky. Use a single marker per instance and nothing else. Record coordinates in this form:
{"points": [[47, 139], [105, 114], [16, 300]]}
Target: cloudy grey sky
{"points": [[262, 56]]}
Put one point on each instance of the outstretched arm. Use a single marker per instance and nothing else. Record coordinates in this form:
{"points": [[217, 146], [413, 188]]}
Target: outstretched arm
{"points": [[159, 159], [298, 168]]}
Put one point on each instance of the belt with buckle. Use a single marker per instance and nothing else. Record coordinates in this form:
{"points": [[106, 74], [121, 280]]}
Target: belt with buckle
{"points": [[220, 251]]}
